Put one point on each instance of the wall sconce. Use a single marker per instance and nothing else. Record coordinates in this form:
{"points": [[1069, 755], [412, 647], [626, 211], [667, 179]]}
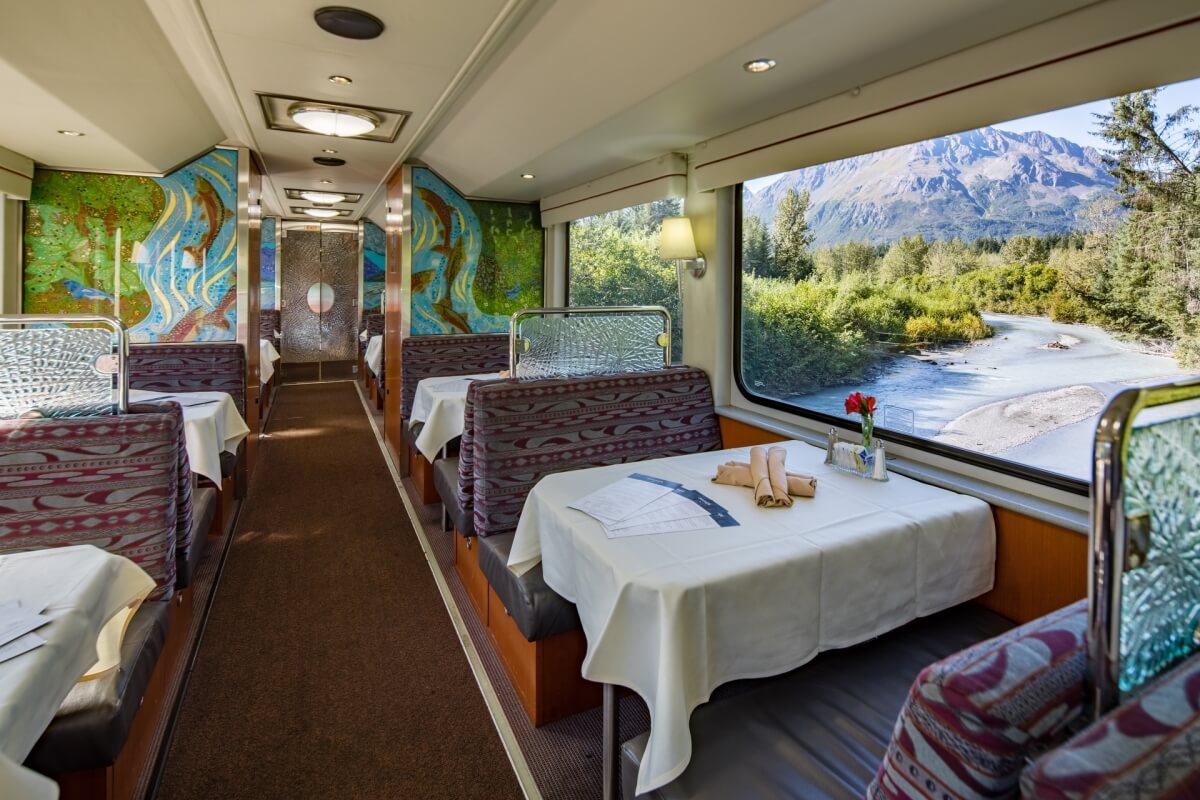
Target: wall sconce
{"points": [[676, 243]]}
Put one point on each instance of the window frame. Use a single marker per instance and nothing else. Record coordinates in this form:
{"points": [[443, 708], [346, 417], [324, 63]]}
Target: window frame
{"points": [[1002, 466]]}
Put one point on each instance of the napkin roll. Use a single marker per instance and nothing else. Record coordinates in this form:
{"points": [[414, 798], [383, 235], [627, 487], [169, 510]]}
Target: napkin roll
{"points": [[769, 477], [737, 473]]}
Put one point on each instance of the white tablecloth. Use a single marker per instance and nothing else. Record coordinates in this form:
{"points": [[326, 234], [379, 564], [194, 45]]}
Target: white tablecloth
{"points": [[211, 424], [81, 589], [675, 615], [374, 354], [267, 356], [440, 403]]}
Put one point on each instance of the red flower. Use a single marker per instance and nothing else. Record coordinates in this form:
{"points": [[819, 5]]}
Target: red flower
{"points": [[853, 402], [870, 403]]}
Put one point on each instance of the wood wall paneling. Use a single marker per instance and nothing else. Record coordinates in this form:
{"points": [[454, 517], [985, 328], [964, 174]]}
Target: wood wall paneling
{"points": [[394, 316]]}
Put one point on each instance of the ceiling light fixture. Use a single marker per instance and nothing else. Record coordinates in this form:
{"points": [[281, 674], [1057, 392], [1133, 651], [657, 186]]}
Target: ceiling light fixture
{"points": [[328, 150], [326, 181], [71, 133], [324, 198], [350, 23], [333, 120], [340, 80], [329, 161], [322, 213], [528, 176], [759, 65]]}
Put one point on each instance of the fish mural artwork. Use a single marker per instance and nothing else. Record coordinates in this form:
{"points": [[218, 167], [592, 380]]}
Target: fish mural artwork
{"points": [[374, 267], [159, 253], [474, 262]]}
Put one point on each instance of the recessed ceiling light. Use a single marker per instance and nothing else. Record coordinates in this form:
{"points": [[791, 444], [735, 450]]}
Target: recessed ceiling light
{"points": [[341, 80], [528, 176], [71, 133], [323, 198], [350, 23], [328, 151], [322, 213], [326, 181], [333, 120], [759, 65], [329, 161]]}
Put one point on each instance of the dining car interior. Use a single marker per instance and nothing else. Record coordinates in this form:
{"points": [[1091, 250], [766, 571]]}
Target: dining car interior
{"points": [[573, 399]]}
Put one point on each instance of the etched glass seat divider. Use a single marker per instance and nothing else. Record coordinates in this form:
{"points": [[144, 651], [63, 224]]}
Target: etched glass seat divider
{"points": [[1144, 614], [68, 365], [592, 340]]}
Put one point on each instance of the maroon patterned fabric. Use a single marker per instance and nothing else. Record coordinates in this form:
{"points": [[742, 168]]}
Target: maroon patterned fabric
{"points": [[972, 720], [432, 356], [372, 324], [268, 323], [108, 481], [525, 430], [1147, 748], [466, 448], [216, 367]]}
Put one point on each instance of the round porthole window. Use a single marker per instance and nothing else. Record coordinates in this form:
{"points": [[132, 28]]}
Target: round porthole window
{"points": [[320, 297]]}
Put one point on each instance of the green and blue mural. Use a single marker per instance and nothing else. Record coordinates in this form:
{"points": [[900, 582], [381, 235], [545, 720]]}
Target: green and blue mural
{"points": [[160, 254], [374, 267], [474, 262], [266, 265]]}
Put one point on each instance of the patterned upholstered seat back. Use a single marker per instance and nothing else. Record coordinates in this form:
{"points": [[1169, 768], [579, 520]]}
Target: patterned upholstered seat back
{"points": [[268, 323], [430, 356], [525, 430], [129, 501], [372, 324], [217, 367]]}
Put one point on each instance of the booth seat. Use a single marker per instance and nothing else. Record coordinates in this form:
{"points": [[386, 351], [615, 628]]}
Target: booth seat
{"points": [[517, 432], [141, 504], [268, 326], [424, 357], [372, 325], [208, 367], [951, 705]]}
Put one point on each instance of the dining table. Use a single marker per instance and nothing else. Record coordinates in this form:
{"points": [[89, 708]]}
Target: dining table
{"points": [[212, 425], [373, 357], [439, 404], [267, 356], [88, 596], [673, 615]]}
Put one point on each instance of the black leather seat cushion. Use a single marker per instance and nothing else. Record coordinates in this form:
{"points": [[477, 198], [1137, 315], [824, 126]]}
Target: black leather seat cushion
{"points": [[409, 435], [445, 479], [94, 723], [204, 508], [819, 731], [538, 610]]}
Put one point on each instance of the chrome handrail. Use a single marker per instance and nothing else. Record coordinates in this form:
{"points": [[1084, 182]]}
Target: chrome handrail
{"points": [[663, 341], [118, 327]]}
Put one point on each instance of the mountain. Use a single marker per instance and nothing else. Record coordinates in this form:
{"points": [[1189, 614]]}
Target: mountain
{"points": [[985, 182]]}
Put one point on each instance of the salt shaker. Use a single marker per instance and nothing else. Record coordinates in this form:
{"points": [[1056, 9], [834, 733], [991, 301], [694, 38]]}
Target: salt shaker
{"points": [[833, 438], [880, 472]]}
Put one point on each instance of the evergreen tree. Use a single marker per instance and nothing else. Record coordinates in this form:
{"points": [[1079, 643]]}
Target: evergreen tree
{"points": [[756, 248], [1152, 159], [791, 237]]}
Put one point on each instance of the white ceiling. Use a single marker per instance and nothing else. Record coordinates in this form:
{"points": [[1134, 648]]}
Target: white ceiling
{"points": [[567, 89]]}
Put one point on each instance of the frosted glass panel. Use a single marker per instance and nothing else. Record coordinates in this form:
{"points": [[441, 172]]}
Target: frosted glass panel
{"points": [[1160, 588], [584, 343], [58, 372]]}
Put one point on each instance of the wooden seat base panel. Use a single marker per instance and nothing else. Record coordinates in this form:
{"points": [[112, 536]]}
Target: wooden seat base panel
{"points": [[466, 564], [421, 472]]}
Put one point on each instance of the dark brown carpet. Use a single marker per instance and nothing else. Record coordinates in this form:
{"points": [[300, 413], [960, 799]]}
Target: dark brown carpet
{"points": [[329, 667]]}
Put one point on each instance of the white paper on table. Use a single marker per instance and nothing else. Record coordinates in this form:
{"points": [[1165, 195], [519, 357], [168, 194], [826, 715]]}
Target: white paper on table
{"points": [[623, 498], [682, 510], [16, 621], [705, 522], [20, 646]]}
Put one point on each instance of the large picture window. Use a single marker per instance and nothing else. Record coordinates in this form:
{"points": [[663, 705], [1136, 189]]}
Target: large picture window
{"points": [[613, 261], [993, 288]]}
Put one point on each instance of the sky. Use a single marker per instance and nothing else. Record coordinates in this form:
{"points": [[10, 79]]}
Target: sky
{"points": [[1075, 123]]}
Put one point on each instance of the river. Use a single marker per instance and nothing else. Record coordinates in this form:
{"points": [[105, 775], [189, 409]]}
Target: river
{"points": [[939, 387]]}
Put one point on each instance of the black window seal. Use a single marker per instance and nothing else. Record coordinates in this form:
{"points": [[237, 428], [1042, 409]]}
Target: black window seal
{"points": [[1013, 469]]}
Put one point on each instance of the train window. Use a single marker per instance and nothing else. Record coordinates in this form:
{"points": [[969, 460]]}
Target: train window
{"points": [[992, 288], [613, 261]]}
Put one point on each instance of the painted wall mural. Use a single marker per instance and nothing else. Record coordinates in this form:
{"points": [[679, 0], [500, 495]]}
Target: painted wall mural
{"points": [[474, 262], [374, 267], [266, 263], [158, 253]]}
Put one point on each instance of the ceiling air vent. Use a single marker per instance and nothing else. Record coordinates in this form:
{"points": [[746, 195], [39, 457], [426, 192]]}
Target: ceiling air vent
{"points": [[275, 109]]}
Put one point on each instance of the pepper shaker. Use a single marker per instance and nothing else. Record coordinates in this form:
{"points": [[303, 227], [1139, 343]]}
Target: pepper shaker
{"points": [[833, 440]]}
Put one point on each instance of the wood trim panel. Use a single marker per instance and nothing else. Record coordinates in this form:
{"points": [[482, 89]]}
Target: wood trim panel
{"points": [[421, 472], [393, 320], [466, 564], [1039, 567], [738, 434]]}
